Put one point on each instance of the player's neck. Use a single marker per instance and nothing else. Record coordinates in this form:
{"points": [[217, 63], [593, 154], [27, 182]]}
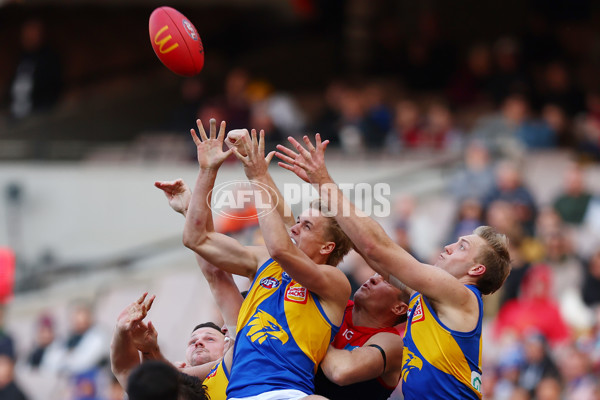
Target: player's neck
{"points": [[362, 317]]}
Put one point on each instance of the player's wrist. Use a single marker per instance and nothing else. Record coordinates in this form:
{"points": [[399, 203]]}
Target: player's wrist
{"points": [[150, 352]]}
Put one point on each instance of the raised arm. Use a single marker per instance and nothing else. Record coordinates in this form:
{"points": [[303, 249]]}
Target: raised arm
{"points": [[222, 286], [328, 283], [385, 256], [199, 234], [124, 356]]}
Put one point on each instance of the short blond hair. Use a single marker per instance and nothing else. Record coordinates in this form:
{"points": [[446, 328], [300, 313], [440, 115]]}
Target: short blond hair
{"points": [[334, 232], [496, 258]]}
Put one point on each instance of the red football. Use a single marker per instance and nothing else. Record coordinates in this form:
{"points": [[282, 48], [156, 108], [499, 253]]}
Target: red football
{"points": [[176, 41]]}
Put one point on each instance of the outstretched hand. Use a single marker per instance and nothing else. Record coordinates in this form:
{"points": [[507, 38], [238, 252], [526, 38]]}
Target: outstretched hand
{"points": [[255, 162], [143, 336], [210, 148], [308, 165], [134, 313], [178, 194]]}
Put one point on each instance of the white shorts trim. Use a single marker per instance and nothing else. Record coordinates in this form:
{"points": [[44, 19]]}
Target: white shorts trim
{"points": [[285, 394]]}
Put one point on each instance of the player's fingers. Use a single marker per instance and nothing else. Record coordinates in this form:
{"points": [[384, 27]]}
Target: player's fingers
{"points": [[222, 127], [254, 140], [201, 130], [291, 153], [270, 156], [285, 158], [247, 143], [227, 154], [303, 152], [212, 128], [325, 144], [261, 142], [142, 297], [195, 138], [308, 143], [285, 166], [238, 155], [149, 302], [293, 141], [152, 329]]}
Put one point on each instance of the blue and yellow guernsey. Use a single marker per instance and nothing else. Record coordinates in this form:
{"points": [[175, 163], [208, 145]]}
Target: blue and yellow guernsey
{"points": [[216, 381], [283, 334], [439, 363]]}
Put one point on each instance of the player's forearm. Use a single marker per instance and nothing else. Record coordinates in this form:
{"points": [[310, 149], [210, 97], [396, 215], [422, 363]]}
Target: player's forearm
{"points": [[275, 234], [369, 238], [282, 208], [200, 371], [198, 221], [341, 366], [224, 291], [364, 232], [124, 357]]}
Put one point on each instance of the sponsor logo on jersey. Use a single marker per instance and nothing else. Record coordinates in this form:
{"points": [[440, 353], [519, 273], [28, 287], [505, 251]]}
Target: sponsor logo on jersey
{"points": [[476, 381], [269, 282], [296, 293], [213, 372], [418, 312], [411, 363], [348, 334], [264, 326]]}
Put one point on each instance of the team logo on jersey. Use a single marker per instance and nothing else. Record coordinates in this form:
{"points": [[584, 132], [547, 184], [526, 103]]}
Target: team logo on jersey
{"points": [[476, 380], [263, 326], [418, 313], [285, 275], [269, 282], [411, 363], [296, 293]]}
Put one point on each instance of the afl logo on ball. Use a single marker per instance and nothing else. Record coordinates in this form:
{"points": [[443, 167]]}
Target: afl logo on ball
{"points": [[269, 282], [189, 28]]}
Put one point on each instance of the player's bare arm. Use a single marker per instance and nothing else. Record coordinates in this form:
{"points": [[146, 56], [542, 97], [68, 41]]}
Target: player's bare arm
{"points": [[453, 301], [363, 363], [222, 286], [124, 356], [199, 234]]}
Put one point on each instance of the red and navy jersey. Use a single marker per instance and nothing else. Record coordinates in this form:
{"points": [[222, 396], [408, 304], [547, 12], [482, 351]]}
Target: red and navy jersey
{"points": [[350, 337]]}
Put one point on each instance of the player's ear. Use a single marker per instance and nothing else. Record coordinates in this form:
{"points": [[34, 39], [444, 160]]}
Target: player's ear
{"points": [[477, 270], [400, 308], [227, 344], [327, 248]]}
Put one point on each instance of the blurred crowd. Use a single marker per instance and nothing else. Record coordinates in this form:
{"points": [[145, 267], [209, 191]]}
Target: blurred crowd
{"points": [[383, 115], [70, 366]]}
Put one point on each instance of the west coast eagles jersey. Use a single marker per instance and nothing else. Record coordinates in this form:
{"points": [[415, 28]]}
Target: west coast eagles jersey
{"points": [[439, 363], [216, 381], [283, 334]]}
